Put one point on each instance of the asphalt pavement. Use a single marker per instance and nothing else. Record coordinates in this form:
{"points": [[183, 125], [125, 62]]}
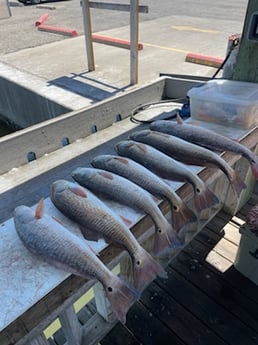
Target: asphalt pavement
{"points": [[167, 37]]}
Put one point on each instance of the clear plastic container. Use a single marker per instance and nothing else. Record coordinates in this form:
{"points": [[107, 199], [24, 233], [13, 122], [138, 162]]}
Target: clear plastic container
{"points": [[226, 102]]}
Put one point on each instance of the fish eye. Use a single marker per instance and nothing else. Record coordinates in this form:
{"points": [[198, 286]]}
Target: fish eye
{"points": [[175, 208], [198, 191], [110, 289], [138, 262]]}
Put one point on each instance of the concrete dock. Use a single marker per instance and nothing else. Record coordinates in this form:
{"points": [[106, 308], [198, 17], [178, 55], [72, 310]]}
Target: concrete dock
{"points": [[57, 66]]}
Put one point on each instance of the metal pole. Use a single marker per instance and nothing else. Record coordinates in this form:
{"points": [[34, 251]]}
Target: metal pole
{"points": [[88, 34], [134, 38]]}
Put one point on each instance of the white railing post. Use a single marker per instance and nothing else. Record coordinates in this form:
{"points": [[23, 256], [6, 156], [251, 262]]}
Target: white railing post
{"points": [[71, 326], [134, 38], [88, 34]]}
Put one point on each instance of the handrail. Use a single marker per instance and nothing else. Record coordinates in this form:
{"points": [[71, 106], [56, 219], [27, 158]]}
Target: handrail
{"points": [[134, 9]]}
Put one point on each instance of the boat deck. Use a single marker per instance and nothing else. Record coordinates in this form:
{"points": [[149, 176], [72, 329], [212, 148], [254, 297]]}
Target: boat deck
{"points": [[204, 301]]}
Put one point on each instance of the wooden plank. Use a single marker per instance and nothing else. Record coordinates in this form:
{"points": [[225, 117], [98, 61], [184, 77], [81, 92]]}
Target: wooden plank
{"points": [[223, 267], [230, 230], [88, 34], [102, 303], [87, 312], [36, 319], [116, 7], [148, 329], [5, 11], [223, 323], [177, 318], [39, 340], [95, 330], [217, 289], [70, 326], [120, 335], [134, 38], [223, 247]]}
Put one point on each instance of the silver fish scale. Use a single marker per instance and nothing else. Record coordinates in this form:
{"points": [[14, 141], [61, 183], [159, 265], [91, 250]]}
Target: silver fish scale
{"points": [[121, 190], [59, 247], [99, 219], [138, 174]]}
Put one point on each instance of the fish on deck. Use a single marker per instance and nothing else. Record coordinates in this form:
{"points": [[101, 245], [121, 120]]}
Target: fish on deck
{"points": [[137, 173], [126, 192], [48, 238], [189, 153], [96, 219], [168, 168], [207, 138]]}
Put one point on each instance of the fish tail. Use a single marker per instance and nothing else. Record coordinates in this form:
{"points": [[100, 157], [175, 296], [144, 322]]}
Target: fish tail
{"points": [[146, 269], [237, 184], [121, 297], [182, 216], [204, 198], [165, 239]]}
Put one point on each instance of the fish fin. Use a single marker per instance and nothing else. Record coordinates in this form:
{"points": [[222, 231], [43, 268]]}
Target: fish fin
{"points": [[182, 216], [237, 184], [90, 235], [146, 269], [126, 221], [121, 297], [204, 199], [165, 240], [78, 191], [179, 119], [39, 209]]}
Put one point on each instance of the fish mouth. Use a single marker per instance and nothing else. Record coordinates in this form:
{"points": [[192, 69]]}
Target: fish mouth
{"points": [[140, 134], [101, 158]]}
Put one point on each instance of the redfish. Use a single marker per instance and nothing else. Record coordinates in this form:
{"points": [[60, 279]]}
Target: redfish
{"points": [[44, 236], [94, 216], [207, 138], [137, 173], [189, 153], [128, 193], [167, 168]]}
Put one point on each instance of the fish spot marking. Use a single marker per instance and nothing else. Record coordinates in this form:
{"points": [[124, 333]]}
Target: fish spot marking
{"points": [[79, 191], [106, 175], [122, 160], [142, 147]]}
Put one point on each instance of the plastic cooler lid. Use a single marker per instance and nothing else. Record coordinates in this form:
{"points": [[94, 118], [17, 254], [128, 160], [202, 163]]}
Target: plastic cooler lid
{"points": [[226, 90]]}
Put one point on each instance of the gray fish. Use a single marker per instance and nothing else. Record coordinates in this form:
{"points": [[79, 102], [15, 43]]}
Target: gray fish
{"points": [[44, 236], [126, 192], [137, 173], [207, 138], [168, 168], [94, 217], [189, 153]]}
